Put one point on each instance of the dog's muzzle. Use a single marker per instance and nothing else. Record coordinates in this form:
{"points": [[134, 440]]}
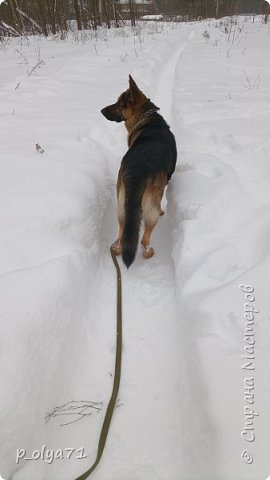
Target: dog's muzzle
{"points": [[111, 114]]}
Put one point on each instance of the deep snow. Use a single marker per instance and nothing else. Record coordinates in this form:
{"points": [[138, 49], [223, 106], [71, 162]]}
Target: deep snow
{"points": [[181, 403]]}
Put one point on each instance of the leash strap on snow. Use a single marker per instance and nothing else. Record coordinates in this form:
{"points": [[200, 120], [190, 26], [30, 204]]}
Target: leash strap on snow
{"points": [[117, 375]]}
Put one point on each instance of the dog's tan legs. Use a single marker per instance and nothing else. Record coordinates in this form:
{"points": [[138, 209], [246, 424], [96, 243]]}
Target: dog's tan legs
{"points": [[117, 245], [151, 207], [148, 251], [151, 212]]}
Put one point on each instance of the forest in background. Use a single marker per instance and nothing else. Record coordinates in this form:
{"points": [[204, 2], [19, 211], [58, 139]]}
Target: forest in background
{"points": [[19, 17]]}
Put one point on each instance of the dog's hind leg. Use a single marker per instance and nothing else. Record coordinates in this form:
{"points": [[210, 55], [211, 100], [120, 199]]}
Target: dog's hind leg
{"points": [[151, 207], [148, 251], [117, 245]]}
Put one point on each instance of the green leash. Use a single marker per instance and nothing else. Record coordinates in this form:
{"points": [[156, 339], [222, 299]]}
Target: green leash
{"points": [[117, 376]]}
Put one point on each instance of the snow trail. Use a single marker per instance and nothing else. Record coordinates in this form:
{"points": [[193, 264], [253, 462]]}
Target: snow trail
{"points": [[151, 342], [166, 81], [149, 384]]}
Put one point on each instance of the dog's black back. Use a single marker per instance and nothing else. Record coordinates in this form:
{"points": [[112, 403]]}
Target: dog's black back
{"points": [[153, 151]]}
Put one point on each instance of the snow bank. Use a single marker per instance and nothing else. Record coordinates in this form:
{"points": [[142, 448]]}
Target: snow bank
{"points": [[219, 204]]}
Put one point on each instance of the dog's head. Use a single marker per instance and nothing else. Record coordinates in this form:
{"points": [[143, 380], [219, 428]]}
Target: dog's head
{"points": [[129, 106]]}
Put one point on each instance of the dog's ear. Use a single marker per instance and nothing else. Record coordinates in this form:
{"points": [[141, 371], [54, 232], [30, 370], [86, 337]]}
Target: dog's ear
{"points": [[133, 87]]}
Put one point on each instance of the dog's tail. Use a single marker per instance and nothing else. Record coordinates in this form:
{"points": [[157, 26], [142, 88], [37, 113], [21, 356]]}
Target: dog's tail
{"points": [[134, 189]]}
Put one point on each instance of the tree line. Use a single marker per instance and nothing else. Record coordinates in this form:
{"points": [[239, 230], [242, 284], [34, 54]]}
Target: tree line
{"points": [[18, 17], [211, 8], [53, 16]]}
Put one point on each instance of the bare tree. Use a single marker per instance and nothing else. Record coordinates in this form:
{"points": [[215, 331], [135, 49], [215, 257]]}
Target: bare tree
{"points": [[265, 8], [115, 14], [78, 14], [15, 18], [132, 12], [106, 13]]}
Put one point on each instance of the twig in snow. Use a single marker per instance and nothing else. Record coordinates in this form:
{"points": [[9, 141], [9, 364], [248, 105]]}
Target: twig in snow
{"points": [[255, 84], [206, 35], [25, 61], [38, 64], [74, 408], [39, 148]]}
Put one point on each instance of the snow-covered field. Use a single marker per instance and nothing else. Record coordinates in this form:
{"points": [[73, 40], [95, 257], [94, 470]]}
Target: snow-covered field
{"points": [[182, 404]]}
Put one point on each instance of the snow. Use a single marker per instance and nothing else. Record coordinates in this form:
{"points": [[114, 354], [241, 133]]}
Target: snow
{"points": [[151, 17], [181, 403], [138, 2]]}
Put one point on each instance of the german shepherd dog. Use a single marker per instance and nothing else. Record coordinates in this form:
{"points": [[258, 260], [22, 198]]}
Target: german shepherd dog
{"points": [[145, 170]]}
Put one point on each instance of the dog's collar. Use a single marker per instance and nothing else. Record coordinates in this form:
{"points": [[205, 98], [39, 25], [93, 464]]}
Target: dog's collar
{"points": [[148, 113], [143, 116]]}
